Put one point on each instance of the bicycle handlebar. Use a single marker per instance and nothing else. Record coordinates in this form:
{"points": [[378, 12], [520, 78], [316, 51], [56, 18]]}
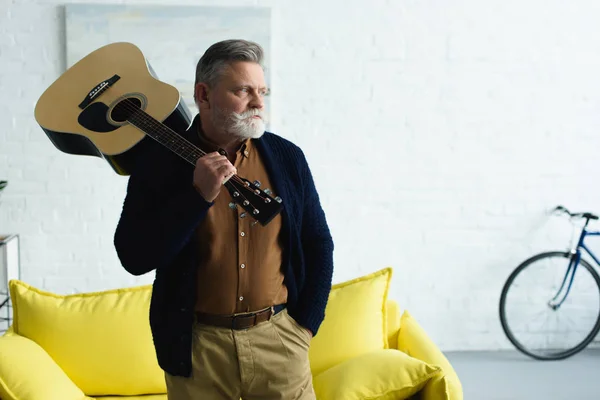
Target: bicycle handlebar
{"points": [[586, 215]]}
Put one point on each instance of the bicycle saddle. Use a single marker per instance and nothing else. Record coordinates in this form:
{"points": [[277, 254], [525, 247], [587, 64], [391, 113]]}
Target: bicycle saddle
{"points": [[589, 216]]}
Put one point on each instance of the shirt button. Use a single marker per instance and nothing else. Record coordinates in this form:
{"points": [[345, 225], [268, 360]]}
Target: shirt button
{"points": [[242, 234], [241, 298], [243, 266]]}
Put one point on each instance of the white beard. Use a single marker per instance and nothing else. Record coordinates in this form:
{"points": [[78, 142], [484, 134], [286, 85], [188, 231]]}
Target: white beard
{"points": [[242, 126]]}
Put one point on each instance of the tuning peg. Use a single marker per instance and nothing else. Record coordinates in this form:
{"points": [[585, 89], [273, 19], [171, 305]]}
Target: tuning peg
{"points": [[267, 191], [256, 183], [278, 199]]}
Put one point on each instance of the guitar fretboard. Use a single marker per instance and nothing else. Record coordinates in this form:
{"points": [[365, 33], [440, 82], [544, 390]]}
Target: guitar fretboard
{"points": [[166, 136]]}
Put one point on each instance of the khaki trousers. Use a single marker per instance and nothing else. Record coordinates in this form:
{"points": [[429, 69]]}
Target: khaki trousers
{"points": [[267, 361]]}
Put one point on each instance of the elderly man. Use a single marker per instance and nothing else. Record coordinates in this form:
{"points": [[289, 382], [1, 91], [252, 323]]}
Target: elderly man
{"points": [[235, 304]]}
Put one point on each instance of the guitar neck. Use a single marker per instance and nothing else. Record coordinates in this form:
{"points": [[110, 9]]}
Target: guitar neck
{"points": [[171, 140], [165, 136]]}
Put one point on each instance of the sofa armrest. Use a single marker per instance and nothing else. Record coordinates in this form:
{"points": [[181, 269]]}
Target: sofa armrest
{"points": [[27, 372], [414, 341], [10, 331]]}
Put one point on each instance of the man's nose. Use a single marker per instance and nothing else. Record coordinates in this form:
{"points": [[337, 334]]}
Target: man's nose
{"points": [[257, 101]]}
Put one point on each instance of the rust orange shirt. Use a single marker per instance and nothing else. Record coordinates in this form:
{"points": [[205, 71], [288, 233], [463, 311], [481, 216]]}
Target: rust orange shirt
{"points": [[240, 260]]}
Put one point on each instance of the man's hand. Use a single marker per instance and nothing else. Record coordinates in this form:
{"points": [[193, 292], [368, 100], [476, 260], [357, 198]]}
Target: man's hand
{"points": [[211, 171]]}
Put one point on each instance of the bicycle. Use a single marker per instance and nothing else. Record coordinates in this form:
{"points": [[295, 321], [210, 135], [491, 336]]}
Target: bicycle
{"points": [[560, 299]]}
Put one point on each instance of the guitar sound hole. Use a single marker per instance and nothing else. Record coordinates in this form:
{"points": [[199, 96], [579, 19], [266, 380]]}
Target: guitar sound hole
{"points": [[125, 108]]}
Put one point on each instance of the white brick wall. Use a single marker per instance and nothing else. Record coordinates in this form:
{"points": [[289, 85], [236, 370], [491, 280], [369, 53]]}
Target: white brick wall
{"points": [[438, 133]]}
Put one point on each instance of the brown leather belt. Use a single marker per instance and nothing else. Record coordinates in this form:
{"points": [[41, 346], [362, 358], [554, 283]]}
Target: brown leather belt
{"points": [[239, 321]]}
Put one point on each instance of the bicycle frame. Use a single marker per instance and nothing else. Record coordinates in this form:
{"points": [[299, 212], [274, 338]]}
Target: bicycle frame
{"points": [[573, 264]]}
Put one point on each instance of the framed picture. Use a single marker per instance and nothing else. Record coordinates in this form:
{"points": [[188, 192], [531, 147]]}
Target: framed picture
{"points": [[172, 38]]}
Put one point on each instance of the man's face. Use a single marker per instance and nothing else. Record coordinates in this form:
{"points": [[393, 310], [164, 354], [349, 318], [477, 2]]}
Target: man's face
{"points": [[237, 101]]}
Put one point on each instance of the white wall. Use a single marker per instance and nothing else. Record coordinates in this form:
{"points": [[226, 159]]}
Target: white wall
{"points": [[438, 132]]}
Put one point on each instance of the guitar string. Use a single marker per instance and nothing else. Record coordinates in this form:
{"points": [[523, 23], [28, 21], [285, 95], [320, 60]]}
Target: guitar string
{"points": [[149, 122], [139, 118], [153, 123], [141, 124]]}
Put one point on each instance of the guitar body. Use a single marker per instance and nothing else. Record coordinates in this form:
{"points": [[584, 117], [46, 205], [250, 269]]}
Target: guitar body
{"points": [[79, 112]]}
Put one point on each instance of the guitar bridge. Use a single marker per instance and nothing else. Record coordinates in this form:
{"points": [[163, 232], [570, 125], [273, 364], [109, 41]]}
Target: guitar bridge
{"points": [[99, 89]]}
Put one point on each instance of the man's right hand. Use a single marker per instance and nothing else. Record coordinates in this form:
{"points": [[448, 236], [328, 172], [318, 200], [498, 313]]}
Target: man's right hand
{"points": [[211, 171]]}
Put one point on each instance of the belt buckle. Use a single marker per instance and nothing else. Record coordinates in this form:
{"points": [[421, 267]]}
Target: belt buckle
{"points": [[245, 315], [271, 311], [233, 319]]}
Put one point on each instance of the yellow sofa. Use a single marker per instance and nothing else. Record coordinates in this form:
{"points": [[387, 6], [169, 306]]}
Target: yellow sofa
{"points": [[99, 345]]}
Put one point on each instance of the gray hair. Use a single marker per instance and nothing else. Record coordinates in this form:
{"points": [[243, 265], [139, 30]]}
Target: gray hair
{"points": [[217, 57]]}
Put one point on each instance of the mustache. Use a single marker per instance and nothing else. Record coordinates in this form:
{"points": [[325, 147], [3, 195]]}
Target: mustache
{"points": [[249, 114]]}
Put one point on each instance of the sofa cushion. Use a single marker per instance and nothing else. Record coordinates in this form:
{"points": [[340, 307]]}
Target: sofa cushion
{"points": [[28, 373], [392, 316], [413, 340], [386, 374], [355, 321], [101, 340]]}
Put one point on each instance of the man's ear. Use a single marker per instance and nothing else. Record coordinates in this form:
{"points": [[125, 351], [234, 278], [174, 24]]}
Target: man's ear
{"points": [[201, 95]]}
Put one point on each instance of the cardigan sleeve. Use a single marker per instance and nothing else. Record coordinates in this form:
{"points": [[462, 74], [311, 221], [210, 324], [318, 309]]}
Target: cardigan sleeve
{"points": [[317, 247], [157, 220]]}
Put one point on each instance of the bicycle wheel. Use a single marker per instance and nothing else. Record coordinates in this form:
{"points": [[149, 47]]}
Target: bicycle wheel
{"points": [[530, 316]]}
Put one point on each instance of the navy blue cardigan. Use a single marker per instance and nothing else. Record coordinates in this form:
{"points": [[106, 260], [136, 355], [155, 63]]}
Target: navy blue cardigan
{"points": [[161, 212]]}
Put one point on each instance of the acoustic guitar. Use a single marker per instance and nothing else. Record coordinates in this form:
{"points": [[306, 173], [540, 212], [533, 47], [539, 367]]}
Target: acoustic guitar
{"points": [[111, 100]]}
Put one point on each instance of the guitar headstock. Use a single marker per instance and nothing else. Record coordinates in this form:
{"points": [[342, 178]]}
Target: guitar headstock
{"points": [[260, 205]]}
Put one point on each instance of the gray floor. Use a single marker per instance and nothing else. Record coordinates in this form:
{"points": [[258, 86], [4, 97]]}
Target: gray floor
{"points": [[508, 375]]}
